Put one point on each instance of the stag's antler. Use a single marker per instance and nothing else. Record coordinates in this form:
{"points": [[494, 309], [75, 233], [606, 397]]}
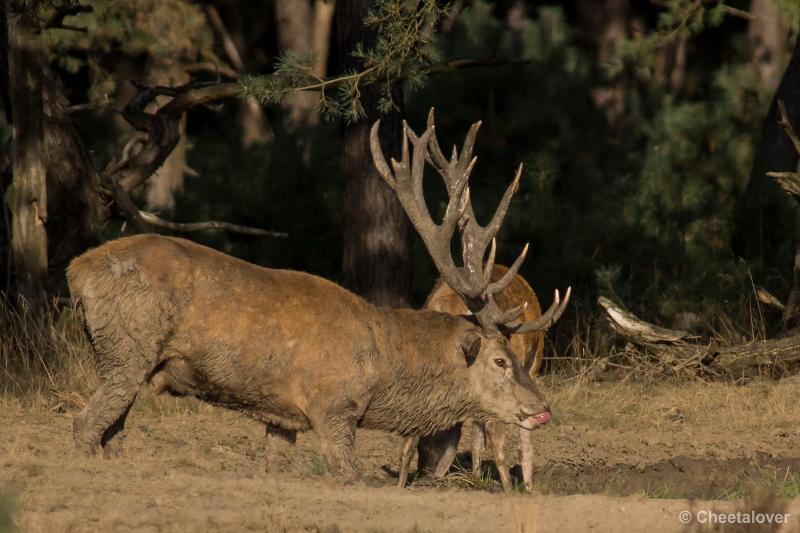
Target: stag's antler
{"points": [[472, 282]]}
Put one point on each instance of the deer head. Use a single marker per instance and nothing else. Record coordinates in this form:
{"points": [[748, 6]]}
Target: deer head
{"points": [[498, 381]]}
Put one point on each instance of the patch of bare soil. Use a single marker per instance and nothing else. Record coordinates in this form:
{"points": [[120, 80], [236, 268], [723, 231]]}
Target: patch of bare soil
{"points": [[614, 460]]}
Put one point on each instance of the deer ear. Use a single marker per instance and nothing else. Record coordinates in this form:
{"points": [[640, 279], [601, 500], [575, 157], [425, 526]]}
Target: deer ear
{"points": [[471, 346]]}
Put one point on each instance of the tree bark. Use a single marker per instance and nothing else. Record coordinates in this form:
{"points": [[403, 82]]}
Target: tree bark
{"points": [[321, 37], [295, 31], [767, 32], [29, 195], [774, 153], [77, 211], [606, 24], [376, 259]]}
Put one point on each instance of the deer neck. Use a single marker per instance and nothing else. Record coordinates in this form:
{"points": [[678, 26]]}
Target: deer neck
{"points": [[427, 388]]}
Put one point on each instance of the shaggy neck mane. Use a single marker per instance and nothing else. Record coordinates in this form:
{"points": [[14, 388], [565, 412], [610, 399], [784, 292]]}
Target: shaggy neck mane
{"points": [[427, 389]]}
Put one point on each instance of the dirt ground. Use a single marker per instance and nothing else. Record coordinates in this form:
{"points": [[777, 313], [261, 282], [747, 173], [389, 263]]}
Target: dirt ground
{"points": [[618, 457]]}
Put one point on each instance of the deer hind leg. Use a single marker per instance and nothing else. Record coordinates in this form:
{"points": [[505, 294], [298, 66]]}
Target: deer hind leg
{"points": [[526, 445], [279, 442], [128, 346], [478, 442], [405, 460], [496, 434], [102, 421]]}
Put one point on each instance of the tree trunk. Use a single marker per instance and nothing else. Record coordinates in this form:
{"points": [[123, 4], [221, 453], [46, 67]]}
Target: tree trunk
{"points": [[606, 24], [29, 195], [77, 211], [295, 30], [377, 253], [774, 153], [321, 37], [768, 31]]}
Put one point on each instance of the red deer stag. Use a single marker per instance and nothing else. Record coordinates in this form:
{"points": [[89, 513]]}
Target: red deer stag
{"points": [[297, 352], [527, 347]]}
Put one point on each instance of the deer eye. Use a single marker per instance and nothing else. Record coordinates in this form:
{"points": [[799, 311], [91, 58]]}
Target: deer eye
{"points": [[500, 362]]}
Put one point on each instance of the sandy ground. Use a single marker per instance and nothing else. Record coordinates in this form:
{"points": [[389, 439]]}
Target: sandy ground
{"points": [[617, 458]]}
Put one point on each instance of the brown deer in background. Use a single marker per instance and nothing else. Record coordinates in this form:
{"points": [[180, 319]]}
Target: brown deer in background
{"points": [[297, 352], [527, 347]]}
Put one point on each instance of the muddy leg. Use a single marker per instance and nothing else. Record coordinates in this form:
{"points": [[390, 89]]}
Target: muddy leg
{"points": [[478, 442], [405, 460], [496, 433], [337, 438], [526, 444], [279, 442], [102, 421]]}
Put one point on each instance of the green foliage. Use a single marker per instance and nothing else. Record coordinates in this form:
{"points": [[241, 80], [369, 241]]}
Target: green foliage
{"points": [[173, 29], [403, 50]]}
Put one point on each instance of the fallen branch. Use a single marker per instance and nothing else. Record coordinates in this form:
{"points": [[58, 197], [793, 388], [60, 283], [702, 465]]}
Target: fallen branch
{"points": [[188, 227], [668, 351]]}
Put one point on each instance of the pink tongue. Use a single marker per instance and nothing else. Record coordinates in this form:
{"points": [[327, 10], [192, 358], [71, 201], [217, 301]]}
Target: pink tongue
{"points": [[542, 418]]}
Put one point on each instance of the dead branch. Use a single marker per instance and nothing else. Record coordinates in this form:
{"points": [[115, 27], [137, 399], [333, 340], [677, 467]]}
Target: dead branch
{"points": [[188, 227], [767, 298], [672, 353], [787, 126], [127, 208], [162, 127], [637, 330]]}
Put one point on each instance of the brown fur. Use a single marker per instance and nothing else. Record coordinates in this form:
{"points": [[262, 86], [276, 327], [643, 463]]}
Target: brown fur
{"points": [[527, 347], [290, 349]]}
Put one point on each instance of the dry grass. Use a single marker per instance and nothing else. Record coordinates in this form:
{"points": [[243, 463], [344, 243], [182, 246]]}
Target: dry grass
{"points": [[40, 354], [46, 362], [754, 407]]}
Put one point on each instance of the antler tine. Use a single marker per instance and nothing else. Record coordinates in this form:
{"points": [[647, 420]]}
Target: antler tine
{"points": [[469, 144], [377, 156], [491, 229], [548, 318], [404, 164], [502, 283], [437, 156], [418, 160], [512, 314]]}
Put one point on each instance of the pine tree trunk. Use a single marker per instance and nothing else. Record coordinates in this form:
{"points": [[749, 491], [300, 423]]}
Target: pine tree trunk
{"points": [[767, 32], [605, 24], [377, 253], [77, 212], [5, 161], [29, 195], [295, 31], [321, 37], [774, 153]]}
